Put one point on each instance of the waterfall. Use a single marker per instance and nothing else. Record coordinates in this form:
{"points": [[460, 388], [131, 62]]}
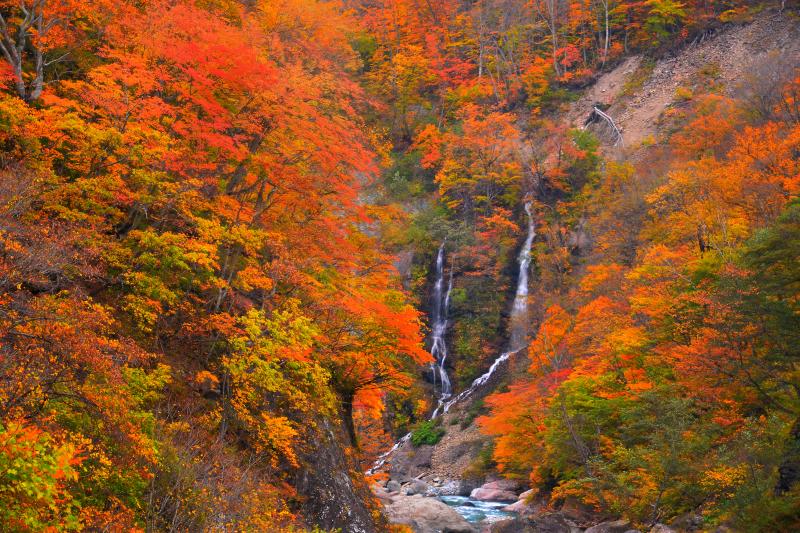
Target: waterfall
{"points": [[441, 302], [518, 322], [441, 305]]}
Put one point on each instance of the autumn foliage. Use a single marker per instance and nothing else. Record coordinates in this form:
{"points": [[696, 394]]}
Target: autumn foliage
{"points": [[204, 205]]}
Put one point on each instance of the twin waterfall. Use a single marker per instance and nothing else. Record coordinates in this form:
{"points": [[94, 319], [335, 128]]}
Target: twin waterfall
{"points": [[518, 329], [518, 322]]}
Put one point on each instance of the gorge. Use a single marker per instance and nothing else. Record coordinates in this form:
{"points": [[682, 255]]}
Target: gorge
{"points": [[388, 266]]}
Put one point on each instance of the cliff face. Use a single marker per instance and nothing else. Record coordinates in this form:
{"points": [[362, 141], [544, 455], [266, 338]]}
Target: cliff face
{"points": [[334, 495]]}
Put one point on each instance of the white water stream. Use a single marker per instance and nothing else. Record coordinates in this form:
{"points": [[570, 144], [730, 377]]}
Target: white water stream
{"points": [[441, 305]]}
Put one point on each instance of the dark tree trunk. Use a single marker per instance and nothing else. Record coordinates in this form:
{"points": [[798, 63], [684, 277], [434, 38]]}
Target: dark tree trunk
{"points": [[789, 470]]}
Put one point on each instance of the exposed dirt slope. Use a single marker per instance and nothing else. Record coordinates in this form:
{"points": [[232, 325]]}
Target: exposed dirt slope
{"points": [[638, 91]]}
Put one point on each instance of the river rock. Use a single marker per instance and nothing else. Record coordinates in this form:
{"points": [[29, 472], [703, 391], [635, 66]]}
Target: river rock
{"points": [[522, 505], [511, 485], [393, 486], [688, 522], [495, 495], [427, 515], [417, 486], [662, 528], [546, 523], [615, 526], [449, 488]]}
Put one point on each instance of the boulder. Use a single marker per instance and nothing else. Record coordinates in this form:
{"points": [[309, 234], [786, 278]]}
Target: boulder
{"points": [[449, 488], [393, 486], [426, 515], [687, 522], [523, 505], [495, 495], [547, 523], [662, 528], [417, 486], [615, 526], [511, 485]]}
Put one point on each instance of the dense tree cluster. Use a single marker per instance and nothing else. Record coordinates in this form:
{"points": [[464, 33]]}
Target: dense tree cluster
{"points": [[192, 280]]}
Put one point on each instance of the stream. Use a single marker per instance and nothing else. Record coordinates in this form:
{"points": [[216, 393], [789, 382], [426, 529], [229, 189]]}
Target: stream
{"points": [[477, 512]]}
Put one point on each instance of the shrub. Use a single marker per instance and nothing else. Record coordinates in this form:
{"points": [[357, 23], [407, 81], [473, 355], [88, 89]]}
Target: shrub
{"points": [[426, 432]]}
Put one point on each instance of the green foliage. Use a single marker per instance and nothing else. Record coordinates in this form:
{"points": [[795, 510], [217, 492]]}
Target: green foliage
{"points": [[664, 16], [34, 472], [426, 432]]}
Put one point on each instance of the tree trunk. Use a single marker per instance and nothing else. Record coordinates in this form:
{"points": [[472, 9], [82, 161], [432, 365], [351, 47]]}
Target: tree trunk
{"points": [[789, 470]]}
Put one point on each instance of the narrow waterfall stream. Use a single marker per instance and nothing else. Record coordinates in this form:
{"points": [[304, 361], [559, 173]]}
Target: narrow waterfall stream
{"points": [[441, 305], [439, 309], [518, 322]]}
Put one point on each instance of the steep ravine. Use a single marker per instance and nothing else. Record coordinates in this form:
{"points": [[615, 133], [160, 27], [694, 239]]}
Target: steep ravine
{"points": [[638, 94]]}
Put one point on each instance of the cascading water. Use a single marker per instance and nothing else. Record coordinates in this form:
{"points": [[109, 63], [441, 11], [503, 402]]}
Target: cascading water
{"points": [[518, 331], [519, 313], [441, 304]]}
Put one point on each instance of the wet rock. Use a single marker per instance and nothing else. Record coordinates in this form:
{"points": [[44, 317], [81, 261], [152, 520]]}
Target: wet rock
{"points": [[615, 526], [427, 515]]}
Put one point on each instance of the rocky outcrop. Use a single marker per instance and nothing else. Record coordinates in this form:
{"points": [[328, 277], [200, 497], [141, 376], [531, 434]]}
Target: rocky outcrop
{"points": [[417, 486], [332, 499], [421, 514]]}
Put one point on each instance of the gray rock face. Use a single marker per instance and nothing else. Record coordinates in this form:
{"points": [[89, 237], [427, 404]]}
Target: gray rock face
{"points": [[426, 515], [616, 526], [332, 498]]}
